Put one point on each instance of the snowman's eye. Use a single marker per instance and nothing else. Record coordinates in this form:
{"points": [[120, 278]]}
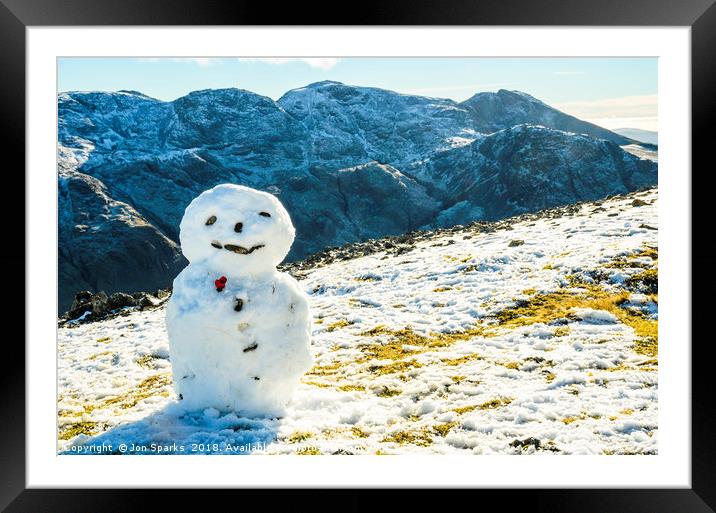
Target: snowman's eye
{"points": [[264, 214], [211, 220]]}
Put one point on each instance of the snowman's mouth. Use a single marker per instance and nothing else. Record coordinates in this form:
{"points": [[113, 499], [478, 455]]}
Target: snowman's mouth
{"points": [[242, 250]]}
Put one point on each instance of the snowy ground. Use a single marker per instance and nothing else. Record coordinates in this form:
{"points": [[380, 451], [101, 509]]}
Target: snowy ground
{"points": [[541, 337]]}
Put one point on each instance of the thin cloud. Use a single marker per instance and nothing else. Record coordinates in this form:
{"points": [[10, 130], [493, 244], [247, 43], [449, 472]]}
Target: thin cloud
{"points": [[324, 63], [569, 73], [622, 112], [621, 107], [201, 61]]}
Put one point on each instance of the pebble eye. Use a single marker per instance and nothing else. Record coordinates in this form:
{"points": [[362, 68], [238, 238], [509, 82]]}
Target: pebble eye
{"points": [[211, 220], [264, 214]]}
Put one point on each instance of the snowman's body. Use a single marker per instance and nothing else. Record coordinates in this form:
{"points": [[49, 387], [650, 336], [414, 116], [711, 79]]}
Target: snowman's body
{"points": [[242, 344]]}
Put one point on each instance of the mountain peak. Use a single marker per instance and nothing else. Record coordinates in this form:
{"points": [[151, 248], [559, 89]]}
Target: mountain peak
{"points": [[132, 92], [503, 94], [495, 111], [322, 83], [224, 91], [515, 92], [97, 95]]}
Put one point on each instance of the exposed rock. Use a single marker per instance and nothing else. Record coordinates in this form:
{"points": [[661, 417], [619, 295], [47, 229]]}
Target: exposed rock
{"points": [[88, 307], [120, 300], [527, 442]]}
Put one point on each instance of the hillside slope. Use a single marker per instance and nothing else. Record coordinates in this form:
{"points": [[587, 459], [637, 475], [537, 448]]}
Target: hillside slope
{"points": [[535, 334], [492, 112]]}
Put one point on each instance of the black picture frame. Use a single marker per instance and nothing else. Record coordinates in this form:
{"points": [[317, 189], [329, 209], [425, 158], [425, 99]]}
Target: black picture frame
{"points": [[700, 15]]}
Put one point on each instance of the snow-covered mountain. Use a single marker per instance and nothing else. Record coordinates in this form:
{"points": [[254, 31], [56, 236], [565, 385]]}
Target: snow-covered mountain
{"points": [[349, 163], [496, 111], [536, 334]]}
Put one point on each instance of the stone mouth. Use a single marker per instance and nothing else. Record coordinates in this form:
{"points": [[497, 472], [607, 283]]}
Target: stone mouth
{"points": [[240, 250]]}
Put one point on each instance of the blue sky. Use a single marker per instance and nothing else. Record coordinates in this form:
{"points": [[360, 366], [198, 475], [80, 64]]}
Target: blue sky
{"points": [[612, 92]]}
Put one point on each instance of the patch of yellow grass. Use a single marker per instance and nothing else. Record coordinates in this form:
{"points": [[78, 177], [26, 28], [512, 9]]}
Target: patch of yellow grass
{"points": [[69, 431], [462, 359], [339, 324], [406, 342], [299, 436], [444, 428], [399, 366], [152, 386], [466, 409], [149, 387], [487, 405], [561, 331], [308, 451], [388, 392], [647, 251], [359, 433], [99, 355], [351, 388], [495, 403], [146, 361], [646, 281], [420, 438], [316, 384], [549, 307], [324, 370], [570, 420]]}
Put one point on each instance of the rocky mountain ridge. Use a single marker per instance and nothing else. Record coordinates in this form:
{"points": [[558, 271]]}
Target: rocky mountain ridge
{"points": [[349, 163]]}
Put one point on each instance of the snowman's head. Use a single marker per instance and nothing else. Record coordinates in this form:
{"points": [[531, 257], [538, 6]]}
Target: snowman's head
{"points": [[235, 228]]}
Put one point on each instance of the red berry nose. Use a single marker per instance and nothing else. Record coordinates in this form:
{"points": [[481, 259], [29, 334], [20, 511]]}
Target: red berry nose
{"points": [[220, 283]]}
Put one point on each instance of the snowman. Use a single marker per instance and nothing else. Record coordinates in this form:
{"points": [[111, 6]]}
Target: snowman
{"points": [[239, 330]]}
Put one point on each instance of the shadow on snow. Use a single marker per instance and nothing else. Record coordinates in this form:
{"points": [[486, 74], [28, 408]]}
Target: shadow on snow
{"points": [[173, 430]]}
